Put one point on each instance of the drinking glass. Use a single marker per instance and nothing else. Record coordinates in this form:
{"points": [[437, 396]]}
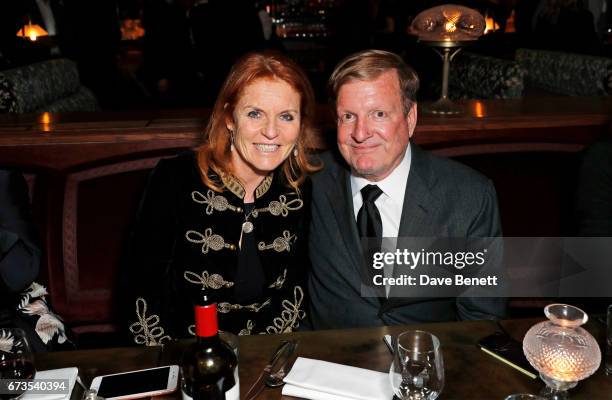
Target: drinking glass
{"points": [[16, 360], [417, 370]]}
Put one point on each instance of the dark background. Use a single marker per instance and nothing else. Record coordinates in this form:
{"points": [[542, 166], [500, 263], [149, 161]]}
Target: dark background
{"points": [[188, 46]]}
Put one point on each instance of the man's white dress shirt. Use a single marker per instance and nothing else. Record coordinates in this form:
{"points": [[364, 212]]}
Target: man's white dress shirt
{"points": [[390, 203]]}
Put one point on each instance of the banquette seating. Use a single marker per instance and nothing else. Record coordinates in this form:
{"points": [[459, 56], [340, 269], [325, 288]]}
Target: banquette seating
{"points": [[531, 72], [46, 86]]}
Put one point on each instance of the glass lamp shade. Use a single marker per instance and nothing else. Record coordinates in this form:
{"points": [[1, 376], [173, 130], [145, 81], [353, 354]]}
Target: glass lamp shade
{"points": [[449, 22], [562, 351], [32, 31]]}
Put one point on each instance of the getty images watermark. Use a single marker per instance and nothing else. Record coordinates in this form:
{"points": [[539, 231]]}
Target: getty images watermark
{"points": [[411, 260], [488, 267]]}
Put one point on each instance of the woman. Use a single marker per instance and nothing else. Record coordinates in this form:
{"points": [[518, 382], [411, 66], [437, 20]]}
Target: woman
{"points": [[232, 216]]}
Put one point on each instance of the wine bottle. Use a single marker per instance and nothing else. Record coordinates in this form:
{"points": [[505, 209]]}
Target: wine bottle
{"points": [[209, 365]]}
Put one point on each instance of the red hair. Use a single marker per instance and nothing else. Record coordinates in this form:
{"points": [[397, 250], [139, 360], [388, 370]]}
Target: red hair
{"points": [[214, 154]]}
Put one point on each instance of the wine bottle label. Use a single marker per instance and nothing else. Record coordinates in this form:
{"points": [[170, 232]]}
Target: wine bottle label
{"points": [[233, 393], [185, 396]]}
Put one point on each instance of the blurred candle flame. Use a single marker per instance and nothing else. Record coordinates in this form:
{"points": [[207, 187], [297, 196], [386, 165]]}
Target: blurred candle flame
{"points": [[479, 109], [45, 120]]}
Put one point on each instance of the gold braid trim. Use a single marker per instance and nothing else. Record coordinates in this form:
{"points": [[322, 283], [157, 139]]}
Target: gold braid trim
{"points": [[233, 185], [290, 315], [212, 281], [145, 330], [224, 307]]}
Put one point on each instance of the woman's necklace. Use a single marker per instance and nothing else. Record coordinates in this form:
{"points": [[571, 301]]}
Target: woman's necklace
{"points": [[247, 226]]}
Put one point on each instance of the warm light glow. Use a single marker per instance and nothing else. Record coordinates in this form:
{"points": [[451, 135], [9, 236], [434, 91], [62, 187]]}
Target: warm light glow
{"points": [[479, 109], [457, 23], [451, 20], [510, 28], [131, 29], [561, 368], [492, 26], [45, 118], [32, 32]]}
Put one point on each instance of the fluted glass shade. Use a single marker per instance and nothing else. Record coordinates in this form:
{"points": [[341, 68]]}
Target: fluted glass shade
{"points": [[449, 22], [559, 348]]}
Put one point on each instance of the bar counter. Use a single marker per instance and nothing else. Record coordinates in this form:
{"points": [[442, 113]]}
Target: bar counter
{"points": [[469, 372]]}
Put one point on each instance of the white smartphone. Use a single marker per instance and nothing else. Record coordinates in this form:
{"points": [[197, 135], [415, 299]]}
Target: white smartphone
{"points": [[137, 384]]}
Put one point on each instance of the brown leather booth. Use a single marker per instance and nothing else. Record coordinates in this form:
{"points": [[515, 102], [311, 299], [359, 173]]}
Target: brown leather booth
{"points": [[87, 174]]}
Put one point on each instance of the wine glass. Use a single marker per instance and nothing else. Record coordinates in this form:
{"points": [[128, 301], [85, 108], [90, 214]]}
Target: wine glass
{"points": [[16, 360], [417, 370]]}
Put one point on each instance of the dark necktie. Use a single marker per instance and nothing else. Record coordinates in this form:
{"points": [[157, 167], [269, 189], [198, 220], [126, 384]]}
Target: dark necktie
{"points": [[369, 224]]}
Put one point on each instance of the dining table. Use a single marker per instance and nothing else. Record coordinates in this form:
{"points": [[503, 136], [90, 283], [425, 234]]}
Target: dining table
{"points": [[469, 372]]}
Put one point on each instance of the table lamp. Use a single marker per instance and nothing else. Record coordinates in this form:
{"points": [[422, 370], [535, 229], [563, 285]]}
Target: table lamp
{"points": [[447, 29], [561, 351], [31, 31]]}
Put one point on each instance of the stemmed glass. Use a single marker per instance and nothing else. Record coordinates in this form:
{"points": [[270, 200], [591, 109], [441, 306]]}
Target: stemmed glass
{"points": [[16, 360], [417, 370]]}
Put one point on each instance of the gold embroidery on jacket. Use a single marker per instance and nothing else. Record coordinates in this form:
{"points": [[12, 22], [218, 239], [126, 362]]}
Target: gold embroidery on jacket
{"points": [[281, 207], [224, 308], [290, 315], [208, 240], [249, 327], [145, 330], [279, 244], [212, 281], [279, 281], [233, 185], [214, 202]]}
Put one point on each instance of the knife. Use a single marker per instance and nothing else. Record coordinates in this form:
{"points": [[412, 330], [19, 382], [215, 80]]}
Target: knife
{"points": [[283, 351]]}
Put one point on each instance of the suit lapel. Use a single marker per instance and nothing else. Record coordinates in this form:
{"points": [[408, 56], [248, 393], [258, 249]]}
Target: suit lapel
{"points": [[416, 220], [418, 199]]}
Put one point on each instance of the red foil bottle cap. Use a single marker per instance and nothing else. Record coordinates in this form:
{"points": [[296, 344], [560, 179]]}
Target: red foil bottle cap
{"points": [[206, 320]]}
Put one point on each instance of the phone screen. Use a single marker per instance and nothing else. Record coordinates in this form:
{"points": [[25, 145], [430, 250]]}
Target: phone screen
{"points": [[134, 382]]}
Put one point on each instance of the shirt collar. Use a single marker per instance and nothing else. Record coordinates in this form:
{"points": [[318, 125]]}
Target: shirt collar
{"points": [[394, 185]]}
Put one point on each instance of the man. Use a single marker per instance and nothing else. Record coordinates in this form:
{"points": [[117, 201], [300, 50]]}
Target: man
{"points": [[416, 195]]}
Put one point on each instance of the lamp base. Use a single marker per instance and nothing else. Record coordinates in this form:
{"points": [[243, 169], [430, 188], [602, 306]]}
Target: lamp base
{"points": [[444, 106], [554, 389]]}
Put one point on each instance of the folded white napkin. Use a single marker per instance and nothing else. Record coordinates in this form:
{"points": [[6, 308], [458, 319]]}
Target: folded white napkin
{"points": [[322, 380], [62, 373]]}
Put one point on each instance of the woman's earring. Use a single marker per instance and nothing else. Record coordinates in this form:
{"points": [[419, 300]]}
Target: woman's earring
{"points": [[295, 152], [231, 131]]}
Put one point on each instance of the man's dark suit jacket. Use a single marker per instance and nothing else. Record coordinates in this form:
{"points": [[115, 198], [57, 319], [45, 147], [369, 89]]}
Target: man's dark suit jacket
{"points": [[443, 199]]}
